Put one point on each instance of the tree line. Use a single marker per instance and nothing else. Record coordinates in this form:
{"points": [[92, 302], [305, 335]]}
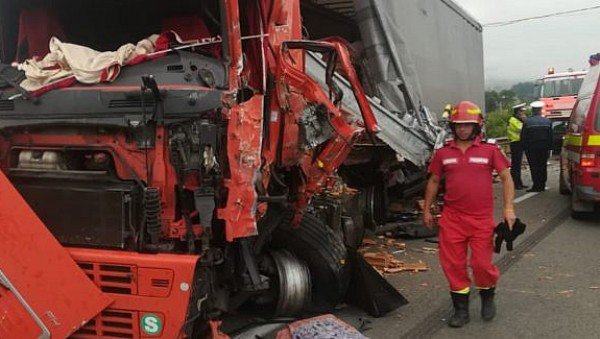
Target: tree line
{"points": [[498, 106]]}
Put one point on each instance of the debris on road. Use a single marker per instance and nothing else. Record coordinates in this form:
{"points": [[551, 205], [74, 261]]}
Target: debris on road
{"points": [[380, 254], [382, 244], [369, 242], [324, 326], [566, 292], [427, 250], [387, 263]]}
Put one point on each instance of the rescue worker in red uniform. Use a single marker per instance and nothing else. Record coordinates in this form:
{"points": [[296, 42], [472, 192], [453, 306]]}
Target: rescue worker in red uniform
{"points": [[467, 221]]}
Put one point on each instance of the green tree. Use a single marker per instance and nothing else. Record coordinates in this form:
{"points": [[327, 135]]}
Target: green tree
{"points": [[491, 101], [508, 98], [525, 91], [496, 101], [496, 123], [498, 110]]}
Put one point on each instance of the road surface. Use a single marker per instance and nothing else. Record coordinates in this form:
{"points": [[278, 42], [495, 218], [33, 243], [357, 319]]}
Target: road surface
{"points": [[550, 285]]}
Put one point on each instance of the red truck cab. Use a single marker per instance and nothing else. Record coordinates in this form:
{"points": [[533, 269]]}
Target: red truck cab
{"points": [[558, 92], [580, 159]]}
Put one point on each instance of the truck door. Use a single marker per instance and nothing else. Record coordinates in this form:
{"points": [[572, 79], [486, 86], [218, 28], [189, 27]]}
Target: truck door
{"points": [[43, 293], [328, 133]]}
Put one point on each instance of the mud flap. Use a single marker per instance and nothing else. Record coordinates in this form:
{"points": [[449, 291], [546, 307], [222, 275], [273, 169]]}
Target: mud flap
{"points": [[43, 293], [369, 290]]}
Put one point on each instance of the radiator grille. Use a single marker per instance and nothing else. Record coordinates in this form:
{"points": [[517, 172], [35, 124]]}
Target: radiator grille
{"points": [[161, 283], [119, 279], [110, 324]]}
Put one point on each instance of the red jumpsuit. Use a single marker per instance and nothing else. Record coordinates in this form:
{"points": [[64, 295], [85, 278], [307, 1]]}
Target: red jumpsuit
{"points": [[467, 218]]}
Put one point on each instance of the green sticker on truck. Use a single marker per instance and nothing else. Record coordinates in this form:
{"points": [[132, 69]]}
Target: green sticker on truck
{"points": [[151, 324]]}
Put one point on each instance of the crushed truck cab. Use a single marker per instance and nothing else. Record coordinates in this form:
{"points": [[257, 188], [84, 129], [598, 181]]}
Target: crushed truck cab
{"points": [[191, 159], [149, 190]]}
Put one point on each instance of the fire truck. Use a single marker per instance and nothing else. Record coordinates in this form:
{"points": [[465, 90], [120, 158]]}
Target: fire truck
{"points": [[558, 92]]}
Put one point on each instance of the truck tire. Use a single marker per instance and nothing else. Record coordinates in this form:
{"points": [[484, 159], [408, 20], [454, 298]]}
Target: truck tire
{"points": [[324, 253], [562, 185], [580, 209]]}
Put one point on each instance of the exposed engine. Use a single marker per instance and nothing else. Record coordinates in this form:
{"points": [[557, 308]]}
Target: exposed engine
{"points": [[202, 160]]}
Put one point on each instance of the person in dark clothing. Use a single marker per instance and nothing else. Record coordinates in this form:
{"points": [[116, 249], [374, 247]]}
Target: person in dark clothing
{"points": [[536, 138], [515, 124]]}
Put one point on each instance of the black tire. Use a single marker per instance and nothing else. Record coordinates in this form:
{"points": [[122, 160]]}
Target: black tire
{"points": [[562, 185], [576, 212], [579, 215], [324, 253]]}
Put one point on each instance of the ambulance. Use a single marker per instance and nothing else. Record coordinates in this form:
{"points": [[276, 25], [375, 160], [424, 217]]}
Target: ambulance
{"points": [[580, 156]]}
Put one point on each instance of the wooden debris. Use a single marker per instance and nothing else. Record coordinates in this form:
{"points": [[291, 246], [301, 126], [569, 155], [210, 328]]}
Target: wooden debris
{"points": [[379, 253], [368, 242], [387, 263]]}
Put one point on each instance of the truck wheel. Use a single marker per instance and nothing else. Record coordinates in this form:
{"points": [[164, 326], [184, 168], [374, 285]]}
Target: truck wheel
{"points": [[324, 253], [580, 209], [562, 185], [293, 283], [375, 206]]}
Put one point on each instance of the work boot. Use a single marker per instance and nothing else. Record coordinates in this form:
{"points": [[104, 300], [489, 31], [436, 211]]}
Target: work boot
{"points": [[461, 310], [488, 307]]}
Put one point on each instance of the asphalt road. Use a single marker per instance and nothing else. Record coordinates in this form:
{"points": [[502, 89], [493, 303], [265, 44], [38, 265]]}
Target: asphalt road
{"points": [[547, 288], [553, 291]]}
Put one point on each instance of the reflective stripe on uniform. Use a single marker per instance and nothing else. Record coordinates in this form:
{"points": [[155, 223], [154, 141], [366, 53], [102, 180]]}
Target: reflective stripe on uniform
{"points": [[514, 129], [465, 290], [574, 140]]}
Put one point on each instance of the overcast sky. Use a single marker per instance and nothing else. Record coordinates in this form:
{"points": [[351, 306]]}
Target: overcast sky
{"points": [[524, 51]]}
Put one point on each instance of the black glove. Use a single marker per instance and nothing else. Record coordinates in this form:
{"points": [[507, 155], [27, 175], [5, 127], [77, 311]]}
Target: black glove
{"points": [[518, 229], [502, 234]]}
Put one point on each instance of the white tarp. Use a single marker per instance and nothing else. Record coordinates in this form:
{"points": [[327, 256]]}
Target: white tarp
{"points": [[88, 66]]}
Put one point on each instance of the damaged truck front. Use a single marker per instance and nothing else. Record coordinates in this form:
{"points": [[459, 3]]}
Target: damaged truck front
{"points": [[197, 172], [176, 172], [413, 57]]}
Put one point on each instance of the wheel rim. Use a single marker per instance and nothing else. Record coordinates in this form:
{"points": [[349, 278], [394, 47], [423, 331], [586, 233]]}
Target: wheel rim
{"points": [[293, 283]]}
